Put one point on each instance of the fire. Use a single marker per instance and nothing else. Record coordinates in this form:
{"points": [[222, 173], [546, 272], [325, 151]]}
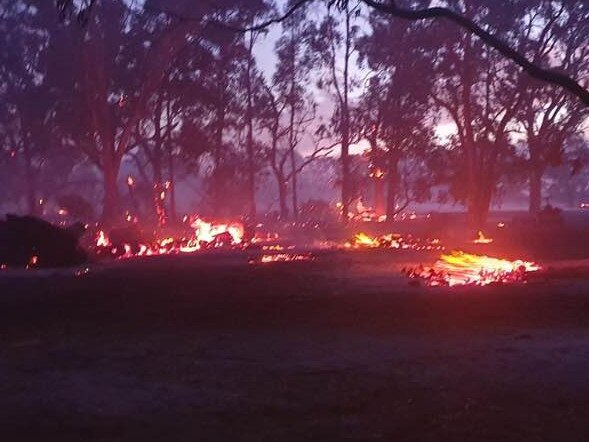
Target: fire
{"points": [[102, 240], [460, 268], [392, 241], [219, 234], [282, 257], [482, 239], [363, 240], [204, 235]]}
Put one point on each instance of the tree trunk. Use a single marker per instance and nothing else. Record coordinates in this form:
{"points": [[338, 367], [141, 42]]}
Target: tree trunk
{"points": [[173, 214], [536, 174], [30, 181], [295, 203], [251, 166], [217, 192], [159, 190], [392, 186], [345, 126], [282, 198], [111, 201]]}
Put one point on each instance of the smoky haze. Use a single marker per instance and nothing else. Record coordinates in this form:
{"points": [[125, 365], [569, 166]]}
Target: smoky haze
{"points": [[156, 109]]}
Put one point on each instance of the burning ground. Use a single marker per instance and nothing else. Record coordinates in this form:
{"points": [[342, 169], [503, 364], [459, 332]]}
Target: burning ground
{"points": [[206, 346]]}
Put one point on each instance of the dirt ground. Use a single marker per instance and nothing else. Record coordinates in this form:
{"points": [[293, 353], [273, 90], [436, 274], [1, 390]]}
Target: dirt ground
{"points": [[209, 348]]}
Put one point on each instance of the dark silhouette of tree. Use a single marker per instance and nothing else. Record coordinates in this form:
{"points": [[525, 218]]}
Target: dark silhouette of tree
{"points": [[394, 113], [335, 47], [554, 34]]}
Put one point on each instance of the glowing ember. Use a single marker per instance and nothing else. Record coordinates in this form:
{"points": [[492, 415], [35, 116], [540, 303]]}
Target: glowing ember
{"points": [[282, 257], [205, 235], [218, 234], [482, 239], [102, 240], [460, 268], [392, 241]]}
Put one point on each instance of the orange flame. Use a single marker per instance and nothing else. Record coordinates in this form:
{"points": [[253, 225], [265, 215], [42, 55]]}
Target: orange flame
{"points": [[482, 239], [460, 268]]}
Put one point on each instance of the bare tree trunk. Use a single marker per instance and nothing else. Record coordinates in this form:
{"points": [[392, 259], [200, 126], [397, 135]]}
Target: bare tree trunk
{"points": [[282, 197], [536, 174], [30, 181], [159, 191], [345, 126], [469, 143], [173, 213], [217, 192], [111, 202], [392, 185], [295, 204], [251, 166]]}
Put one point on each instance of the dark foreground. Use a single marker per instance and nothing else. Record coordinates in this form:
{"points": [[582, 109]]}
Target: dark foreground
{"points": [[211, 349]]}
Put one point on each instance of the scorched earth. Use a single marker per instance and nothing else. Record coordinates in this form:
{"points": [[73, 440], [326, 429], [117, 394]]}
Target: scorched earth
{"points": [[339, 347]]}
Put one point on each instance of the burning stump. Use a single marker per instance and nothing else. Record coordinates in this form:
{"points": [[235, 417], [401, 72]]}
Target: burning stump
{"points": [[26, 241]]}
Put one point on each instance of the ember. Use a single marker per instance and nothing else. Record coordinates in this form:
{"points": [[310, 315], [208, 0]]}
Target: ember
{"points": [[205, 235], [392, 241], [460, 268], [282, 257], [482, 239]]}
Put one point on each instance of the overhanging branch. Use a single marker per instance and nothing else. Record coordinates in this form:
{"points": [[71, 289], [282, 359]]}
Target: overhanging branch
{"points": [[535, 71]]}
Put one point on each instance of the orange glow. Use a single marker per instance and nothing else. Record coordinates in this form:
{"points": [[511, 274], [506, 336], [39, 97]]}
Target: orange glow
{"points": [[482, 239], [282, 257], [102, 240], [209, 232], [392, 241], [460, 268]]}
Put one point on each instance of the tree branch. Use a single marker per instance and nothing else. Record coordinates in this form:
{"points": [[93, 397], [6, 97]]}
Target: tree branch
{"points": [[547, 75]]}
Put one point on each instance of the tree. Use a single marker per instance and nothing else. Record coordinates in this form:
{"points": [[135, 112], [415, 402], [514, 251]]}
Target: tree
{"points": [[338, 78], [295, 62], [282, 147], [117, 75], [394, 112], [554, 34]]}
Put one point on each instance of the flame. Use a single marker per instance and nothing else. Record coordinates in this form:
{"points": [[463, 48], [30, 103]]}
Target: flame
{"points": [[205, 235], [102, 240], [392, 241], [460, 268], [208, 232], [362, 239], [282, 257], [482, 239]]}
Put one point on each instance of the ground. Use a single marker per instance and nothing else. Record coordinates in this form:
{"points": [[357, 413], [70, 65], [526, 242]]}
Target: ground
{"points": [[210, 348]]}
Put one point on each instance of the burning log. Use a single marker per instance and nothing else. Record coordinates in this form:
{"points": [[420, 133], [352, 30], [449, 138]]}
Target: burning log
{"points": [[26, 241], [460, 268]]}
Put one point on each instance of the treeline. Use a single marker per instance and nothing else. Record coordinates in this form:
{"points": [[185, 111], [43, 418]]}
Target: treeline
{"points": [[175, 88]]}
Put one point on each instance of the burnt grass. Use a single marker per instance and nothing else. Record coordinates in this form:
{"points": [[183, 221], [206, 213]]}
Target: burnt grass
{"points": [[211, 348]]}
